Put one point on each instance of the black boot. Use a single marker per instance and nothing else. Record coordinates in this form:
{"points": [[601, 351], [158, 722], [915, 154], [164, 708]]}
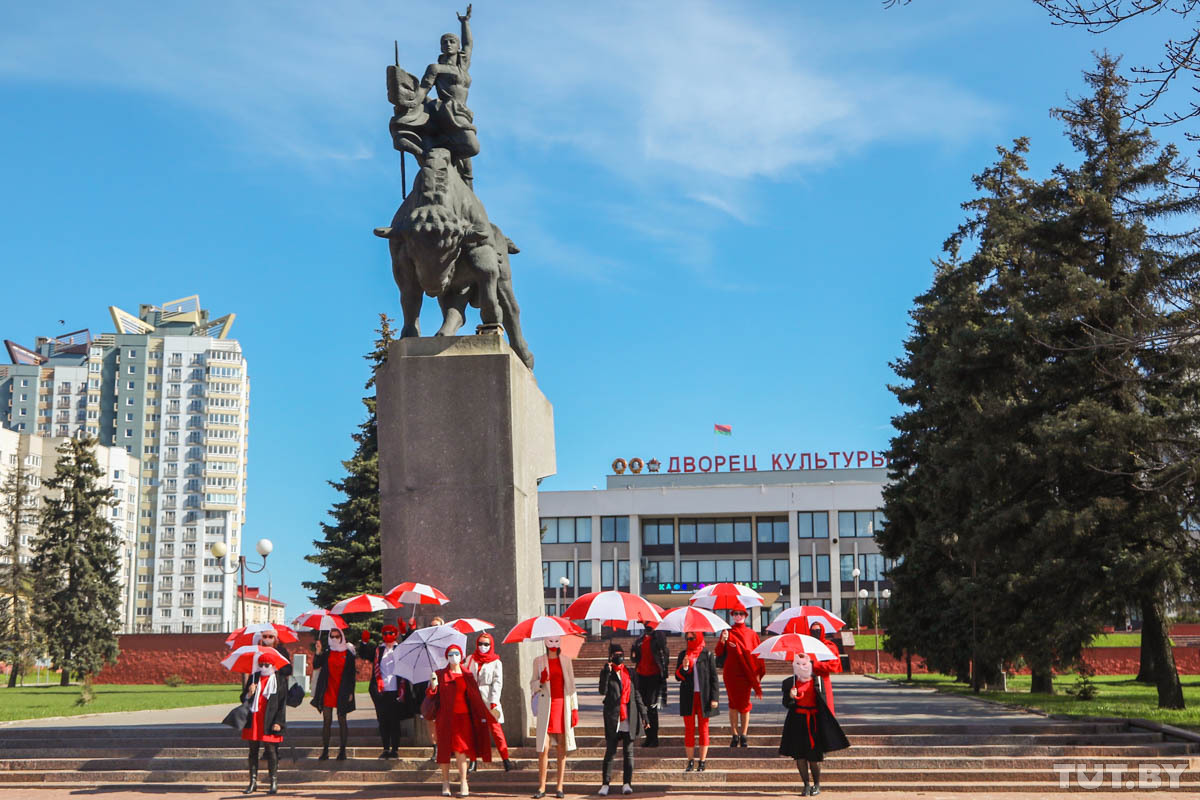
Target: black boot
{"points": [[816, 773], [324, 754], [253, 787], [691, 766], [700, 767], [273, 768], [508, 765], [341, 756]]}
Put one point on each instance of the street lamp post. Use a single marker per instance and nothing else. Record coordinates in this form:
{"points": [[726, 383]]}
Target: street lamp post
{"points": [[854, 573], [563, 583], [878, 612], [264, 547]]}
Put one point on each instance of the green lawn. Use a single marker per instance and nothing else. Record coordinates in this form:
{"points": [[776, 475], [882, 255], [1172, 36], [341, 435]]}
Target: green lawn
{"points": [[33, 702], [1119, 696]]}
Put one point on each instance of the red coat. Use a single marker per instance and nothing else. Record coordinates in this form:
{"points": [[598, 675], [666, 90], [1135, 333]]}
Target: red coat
{"points": [[447, 693], [737, 658], [824, 669]]}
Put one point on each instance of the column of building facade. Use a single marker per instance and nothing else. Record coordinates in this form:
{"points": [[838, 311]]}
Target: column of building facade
{"points": [[835, 568]]}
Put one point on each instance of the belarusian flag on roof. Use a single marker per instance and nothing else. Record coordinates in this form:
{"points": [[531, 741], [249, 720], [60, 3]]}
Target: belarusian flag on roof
{"points": [[724, 430]]}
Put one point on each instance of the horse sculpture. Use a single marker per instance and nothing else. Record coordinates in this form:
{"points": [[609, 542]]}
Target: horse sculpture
{"points": [[443, 245]]}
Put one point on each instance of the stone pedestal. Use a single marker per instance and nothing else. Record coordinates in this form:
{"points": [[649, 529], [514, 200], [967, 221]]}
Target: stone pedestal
{"points": [[464, 437]]}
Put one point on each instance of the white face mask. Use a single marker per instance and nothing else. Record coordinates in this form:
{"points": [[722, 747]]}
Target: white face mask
{"points": [[484, 647], [554, 643], [454, 658], [802, 667], [266, 670]]}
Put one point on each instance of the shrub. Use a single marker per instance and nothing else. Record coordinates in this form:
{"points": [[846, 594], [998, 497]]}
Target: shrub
{"points": [[1083, 689], [174, 681]]}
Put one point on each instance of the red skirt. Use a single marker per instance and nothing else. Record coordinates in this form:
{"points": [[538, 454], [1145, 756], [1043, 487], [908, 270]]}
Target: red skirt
{"points": [[462, 739], [254, 731], [557, 712], [737, 692]]}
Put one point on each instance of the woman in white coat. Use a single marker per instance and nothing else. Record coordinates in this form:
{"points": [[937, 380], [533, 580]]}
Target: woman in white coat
{"points": [[557, 708], [485, 664]]}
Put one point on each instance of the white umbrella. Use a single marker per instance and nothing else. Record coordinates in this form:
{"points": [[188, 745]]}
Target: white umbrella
{"points": [[804, 617], [424, 652]]}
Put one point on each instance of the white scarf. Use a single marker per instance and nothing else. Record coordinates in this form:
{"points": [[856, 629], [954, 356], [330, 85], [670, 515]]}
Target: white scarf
{"points": [[340, 645], [268, 671]]}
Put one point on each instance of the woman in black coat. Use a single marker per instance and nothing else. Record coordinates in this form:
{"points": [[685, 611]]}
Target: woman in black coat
{"points": [[335, 689], [266, 692], [696, 670], [809, 730], [619, 686]]}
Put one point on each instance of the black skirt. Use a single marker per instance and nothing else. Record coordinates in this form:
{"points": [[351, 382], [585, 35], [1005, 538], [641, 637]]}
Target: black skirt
{"points": [[811, 736]]}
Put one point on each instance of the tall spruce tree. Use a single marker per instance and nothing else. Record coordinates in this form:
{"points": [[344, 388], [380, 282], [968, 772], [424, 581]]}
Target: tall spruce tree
{"points": [[349, 554], [1023, 449], [19, 508], [76, 565]]}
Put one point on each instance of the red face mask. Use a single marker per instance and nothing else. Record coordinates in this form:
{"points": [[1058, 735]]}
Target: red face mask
{"points": [[389, 638]]}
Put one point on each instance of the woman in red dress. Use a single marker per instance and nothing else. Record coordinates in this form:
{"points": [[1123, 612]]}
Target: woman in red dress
{"points": [[462, 720], [267, 692], [334, 689], [742, 671], [556, 706]]}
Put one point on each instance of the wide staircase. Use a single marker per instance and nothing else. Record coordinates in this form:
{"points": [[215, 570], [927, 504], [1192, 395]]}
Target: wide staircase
{"points": [[967, 756]]}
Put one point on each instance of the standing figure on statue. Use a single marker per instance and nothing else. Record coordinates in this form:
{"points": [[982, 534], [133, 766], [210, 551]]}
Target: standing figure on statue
{"points": [[624, 717], [488, 670], [462, 720], [696, 671], [384, 688], [557, 708], [267, 692], [334, 690], [742, 671], [651, 662], [809, 729]]}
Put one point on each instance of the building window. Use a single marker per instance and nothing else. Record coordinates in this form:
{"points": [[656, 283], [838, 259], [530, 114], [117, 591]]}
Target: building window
{"points": [[658, 533], [860, 524], [584, 576], [606, 574], [823, 569], [566, 530], [772, 529], [871, 567], [614, 529], [812, 525], [659, 572], [806, 574], [553, 571], [776, 569]]}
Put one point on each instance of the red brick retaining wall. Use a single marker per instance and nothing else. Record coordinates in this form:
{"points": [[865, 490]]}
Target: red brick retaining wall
{"points": [[1105, 660], [194, 657]]}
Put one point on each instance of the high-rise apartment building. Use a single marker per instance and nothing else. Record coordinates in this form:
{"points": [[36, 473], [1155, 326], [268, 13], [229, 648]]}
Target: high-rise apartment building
{"points": [[36, 457], [170, 388]]}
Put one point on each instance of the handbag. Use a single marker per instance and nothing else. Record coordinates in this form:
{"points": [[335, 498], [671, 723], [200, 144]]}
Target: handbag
{"points": [[295, 695], [430, 706], [238, 717]]}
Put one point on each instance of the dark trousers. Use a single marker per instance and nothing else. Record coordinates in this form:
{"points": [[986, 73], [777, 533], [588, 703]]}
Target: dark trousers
{"points": [[387, 714], [610, 749], [649, 687]]}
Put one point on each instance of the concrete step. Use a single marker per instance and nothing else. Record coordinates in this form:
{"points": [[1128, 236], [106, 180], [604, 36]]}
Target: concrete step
{"points": [[581, 782]]}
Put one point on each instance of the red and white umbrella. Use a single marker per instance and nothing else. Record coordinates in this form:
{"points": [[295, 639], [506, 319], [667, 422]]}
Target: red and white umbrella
{"points": [[319, 620], [421, 594], [732, 596], [245, 636], [692, 618], [613, 605], [362, 604], [542, 628], [788, 645], [247, 659], [802, 618], [470, 625]]}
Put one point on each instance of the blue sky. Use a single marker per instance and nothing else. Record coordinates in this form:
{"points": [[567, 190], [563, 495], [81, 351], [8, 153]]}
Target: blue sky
{"points": [[724, 209]]}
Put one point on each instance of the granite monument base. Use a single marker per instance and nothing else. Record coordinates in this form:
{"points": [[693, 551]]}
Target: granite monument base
{"points": [[464, 437]]}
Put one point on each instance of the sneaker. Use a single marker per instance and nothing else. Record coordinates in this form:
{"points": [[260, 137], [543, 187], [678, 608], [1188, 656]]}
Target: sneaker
{"points": [[603, 791], [816, 790], [627, 789]]}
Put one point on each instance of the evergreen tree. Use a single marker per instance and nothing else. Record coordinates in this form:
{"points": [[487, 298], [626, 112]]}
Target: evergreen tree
{"points": [[349, 554], [18, 504], [76, 567]]}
